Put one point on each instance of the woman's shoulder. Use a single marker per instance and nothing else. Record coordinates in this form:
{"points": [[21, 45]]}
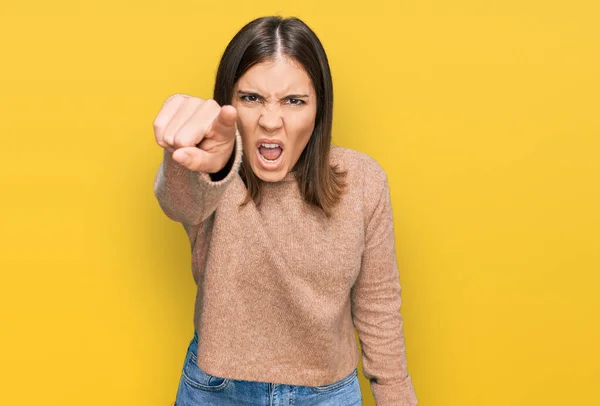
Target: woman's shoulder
{"points": [[359, 165]]}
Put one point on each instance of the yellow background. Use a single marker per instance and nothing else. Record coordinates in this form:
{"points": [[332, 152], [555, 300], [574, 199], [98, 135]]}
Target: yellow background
{"points": [[485, 116]]}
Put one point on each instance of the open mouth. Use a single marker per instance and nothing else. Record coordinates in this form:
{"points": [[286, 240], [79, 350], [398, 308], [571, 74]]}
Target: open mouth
{"points": [[270, 155], [270, 152]]}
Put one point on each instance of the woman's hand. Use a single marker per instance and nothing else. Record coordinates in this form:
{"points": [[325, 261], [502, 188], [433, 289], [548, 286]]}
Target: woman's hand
{"points": [[199, 133]]}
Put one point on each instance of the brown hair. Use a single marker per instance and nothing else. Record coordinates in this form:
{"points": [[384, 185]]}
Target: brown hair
{"points": [[259, 40]]}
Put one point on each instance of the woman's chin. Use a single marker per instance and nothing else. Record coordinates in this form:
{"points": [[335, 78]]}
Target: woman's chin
{"points": [[269, 175]]}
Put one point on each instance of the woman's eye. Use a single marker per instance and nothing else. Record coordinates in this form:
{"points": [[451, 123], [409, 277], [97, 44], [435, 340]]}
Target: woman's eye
{"points": [[296, 102], [250, 98]]}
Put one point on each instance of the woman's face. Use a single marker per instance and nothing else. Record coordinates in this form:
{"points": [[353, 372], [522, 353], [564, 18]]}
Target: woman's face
{"points": [[277, 106]]}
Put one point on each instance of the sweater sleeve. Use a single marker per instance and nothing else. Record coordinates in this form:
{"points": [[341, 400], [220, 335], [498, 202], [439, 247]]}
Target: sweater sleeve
{"points": [[376, 306], [190, 197]]}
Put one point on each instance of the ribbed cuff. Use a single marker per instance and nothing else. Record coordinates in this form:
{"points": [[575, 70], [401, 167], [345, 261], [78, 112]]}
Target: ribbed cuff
{"points": [[231, 168], [400, 394]]}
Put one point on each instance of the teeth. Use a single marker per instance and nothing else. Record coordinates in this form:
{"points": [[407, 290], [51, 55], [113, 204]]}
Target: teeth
{"points": [[270, 145]]}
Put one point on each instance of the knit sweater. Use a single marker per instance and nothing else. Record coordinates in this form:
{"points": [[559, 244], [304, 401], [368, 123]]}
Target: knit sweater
{"points": [[281, 287]]}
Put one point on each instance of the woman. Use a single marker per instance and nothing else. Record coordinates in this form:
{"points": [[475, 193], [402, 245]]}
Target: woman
{"points": [[292, 238]]}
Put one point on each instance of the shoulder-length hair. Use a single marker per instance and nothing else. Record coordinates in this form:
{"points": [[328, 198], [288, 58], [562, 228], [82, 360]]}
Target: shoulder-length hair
{"points": [[260, 40]]}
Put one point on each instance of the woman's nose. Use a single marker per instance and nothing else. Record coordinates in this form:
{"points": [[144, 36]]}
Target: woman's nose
{"points": [[270, 119]]}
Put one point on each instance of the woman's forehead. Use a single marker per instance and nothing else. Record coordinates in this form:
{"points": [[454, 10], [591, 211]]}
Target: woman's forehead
{"points": [[278, 77]]}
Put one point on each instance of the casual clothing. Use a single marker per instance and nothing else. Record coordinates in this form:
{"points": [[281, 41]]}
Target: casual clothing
{"points": [[196, 387], [281, 287]]}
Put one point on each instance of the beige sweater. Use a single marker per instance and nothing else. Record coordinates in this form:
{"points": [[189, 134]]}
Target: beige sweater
{"points": [[281, 287]]}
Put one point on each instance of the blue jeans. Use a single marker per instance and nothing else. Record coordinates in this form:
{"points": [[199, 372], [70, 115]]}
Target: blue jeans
{"points": [[197, 388]]}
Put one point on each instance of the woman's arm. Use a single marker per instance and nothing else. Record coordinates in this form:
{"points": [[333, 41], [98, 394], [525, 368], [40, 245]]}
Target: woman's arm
{"points": [[376, 300], [190, 197]]}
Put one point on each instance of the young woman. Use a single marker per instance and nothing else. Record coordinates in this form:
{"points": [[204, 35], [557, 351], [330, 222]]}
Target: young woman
{"points": [[292, 238]]}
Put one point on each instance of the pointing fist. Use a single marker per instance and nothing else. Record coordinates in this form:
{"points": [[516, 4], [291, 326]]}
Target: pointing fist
{"points": [[199, 133]]}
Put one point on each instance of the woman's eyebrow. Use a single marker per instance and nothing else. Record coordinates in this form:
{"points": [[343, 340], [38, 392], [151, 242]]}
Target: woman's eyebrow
{"points": [[289, 96], [296, 96]]}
